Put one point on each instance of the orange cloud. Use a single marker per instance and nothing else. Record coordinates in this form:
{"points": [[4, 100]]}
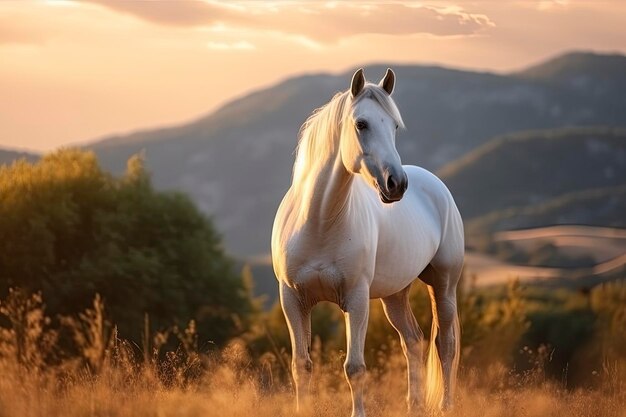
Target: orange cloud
{"points": [[319, 22], [229, 46], [173, 13], [73, 70]]}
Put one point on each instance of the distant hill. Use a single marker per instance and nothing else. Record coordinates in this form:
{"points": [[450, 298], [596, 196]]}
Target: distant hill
{"points": [[596, 207], [8, 156], [236, 162], [578, 66], [545, 177]]}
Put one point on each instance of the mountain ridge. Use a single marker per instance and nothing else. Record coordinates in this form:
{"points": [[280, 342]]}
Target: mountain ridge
{"points": [[8, 156], [567, 58], [510, 178], [236, 161], [575, 63]]}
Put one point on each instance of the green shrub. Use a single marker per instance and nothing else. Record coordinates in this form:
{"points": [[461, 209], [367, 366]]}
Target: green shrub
{"points": [[71, 230]]}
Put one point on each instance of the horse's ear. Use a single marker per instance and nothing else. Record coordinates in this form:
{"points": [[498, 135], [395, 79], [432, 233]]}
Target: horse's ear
{"points": [[358, 81], [388, 81]]}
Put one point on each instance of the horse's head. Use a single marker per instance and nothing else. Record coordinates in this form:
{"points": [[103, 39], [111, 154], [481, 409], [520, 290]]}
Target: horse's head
{"points": [[368, 144]]}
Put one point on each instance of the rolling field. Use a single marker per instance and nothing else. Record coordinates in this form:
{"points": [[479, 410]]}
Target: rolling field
{"points": [[491, 271], [602, 243], [606, 246]]}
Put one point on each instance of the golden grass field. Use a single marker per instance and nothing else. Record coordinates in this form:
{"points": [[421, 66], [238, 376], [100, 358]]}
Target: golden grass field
{"points": [[104, 375], [229, 385]]}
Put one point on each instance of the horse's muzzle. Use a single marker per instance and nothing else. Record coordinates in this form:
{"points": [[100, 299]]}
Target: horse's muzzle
{"points": [[394, 188]]}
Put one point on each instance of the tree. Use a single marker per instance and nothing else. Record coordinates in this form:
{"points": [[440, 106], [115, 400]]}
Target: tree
{"points": [[71, 230]]}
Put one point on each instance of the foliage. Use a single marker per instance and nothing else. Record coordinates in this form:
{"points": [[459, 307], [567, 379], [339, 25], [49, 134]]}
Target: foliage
{"points": [[28, 339], [93, 334], [608, 301], [493, 329], [70, 230]]}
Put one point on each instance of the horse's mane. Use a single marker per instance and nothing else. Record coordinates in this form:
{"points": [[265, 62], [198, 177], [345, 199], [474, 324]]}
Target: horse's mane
{"points": [[320, 133]]}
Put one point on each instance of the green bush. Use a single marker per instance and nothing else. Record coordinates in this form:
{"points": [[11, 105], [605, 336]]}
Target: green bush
{"points": [[71, 230], [608, 301]]}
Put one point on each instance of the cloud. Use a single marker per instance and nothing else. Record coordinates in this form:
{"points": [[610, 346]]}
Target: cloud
{"points": [[551, 4], [232, 46], [172, 13], [322, 23]]}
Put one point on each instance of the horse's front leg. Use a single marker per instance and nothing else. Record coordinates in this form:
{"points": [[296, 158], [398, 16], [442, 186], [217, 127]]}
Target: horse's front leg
{"points": [[356, 312], [298, 317]]}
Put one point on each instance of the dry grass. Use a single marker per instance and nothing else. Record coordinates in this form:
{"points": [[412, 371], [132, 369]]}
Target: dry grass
{"points": [[231, 386], [112, 377]]}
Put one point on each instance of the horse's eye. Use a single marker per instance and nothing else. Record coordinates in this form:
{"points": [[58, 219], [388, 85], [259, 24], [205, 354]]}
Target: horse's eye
{"points": [[397, 126], [361, 124]]}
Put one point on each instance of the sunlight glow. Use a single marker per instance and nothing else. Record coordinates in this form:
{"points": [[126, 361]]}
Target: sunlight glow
{"points": [[236, 46], [61, 3], [118, 58]]}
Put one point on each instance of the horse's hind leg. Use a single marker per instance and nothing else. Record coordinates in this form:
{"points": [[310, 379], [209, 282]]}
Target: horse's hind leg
{"points": [[399, 313], [298, 316]]}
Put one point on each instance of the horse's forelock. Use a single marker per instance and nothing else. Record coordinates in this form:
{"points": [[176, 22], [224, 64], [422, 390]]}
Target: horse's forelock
{"points": [[319, 133], [378, 94]]}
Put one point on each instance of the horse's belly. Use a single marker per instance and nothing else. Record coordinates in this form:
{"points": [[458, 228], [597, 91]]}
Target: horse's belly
{"points": [[393, 275]]}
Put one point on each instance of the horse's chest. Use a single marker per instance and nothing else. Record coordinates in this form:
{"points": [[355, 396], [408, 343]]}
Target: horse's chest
{"points": [[324, 269]]}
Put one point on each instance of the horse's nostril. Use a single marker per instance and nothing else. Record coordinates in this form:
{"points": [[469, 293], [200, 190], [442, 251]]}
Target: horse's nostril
{"points": [[391, 183]]}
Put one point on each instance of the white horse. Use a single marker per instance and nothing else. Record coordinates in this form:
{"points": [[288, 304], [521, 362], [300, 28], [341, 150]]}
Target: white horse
{"points": [[357, 225]]}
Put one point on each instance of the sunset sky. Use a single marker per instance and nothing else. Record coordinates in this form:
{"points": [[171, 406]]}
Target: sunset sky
{"points": [[73, 71]]}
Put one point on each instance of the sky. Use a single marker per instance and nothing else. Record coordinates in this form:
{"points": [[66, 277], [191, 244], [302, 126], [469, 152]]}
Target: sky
{"points": [[75, 71]]}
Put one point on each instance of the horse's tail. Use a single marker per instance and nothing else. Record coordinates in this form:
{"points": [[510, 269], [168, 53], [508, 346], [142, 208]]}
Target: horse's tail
{"points": [[434, 371]]}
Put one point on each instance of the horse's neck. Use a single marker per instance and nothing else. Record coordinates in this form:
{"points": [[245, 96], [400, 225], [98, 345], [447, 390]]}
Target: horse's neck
{"points": [[326, 191]]}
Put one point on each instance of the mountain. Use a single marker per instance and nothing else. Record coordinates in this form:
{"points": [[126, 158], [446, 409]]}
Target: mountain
{"points": [[8, 156], [531, 168], [595, 207], [236, 162], [577, 66]]}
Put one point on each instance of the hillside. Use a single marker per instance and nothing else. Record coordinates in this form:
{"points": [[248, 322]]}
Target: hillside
{"points": [[8, 156], [577, 66], [597, 207], [532, 168], [236, 162]]}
